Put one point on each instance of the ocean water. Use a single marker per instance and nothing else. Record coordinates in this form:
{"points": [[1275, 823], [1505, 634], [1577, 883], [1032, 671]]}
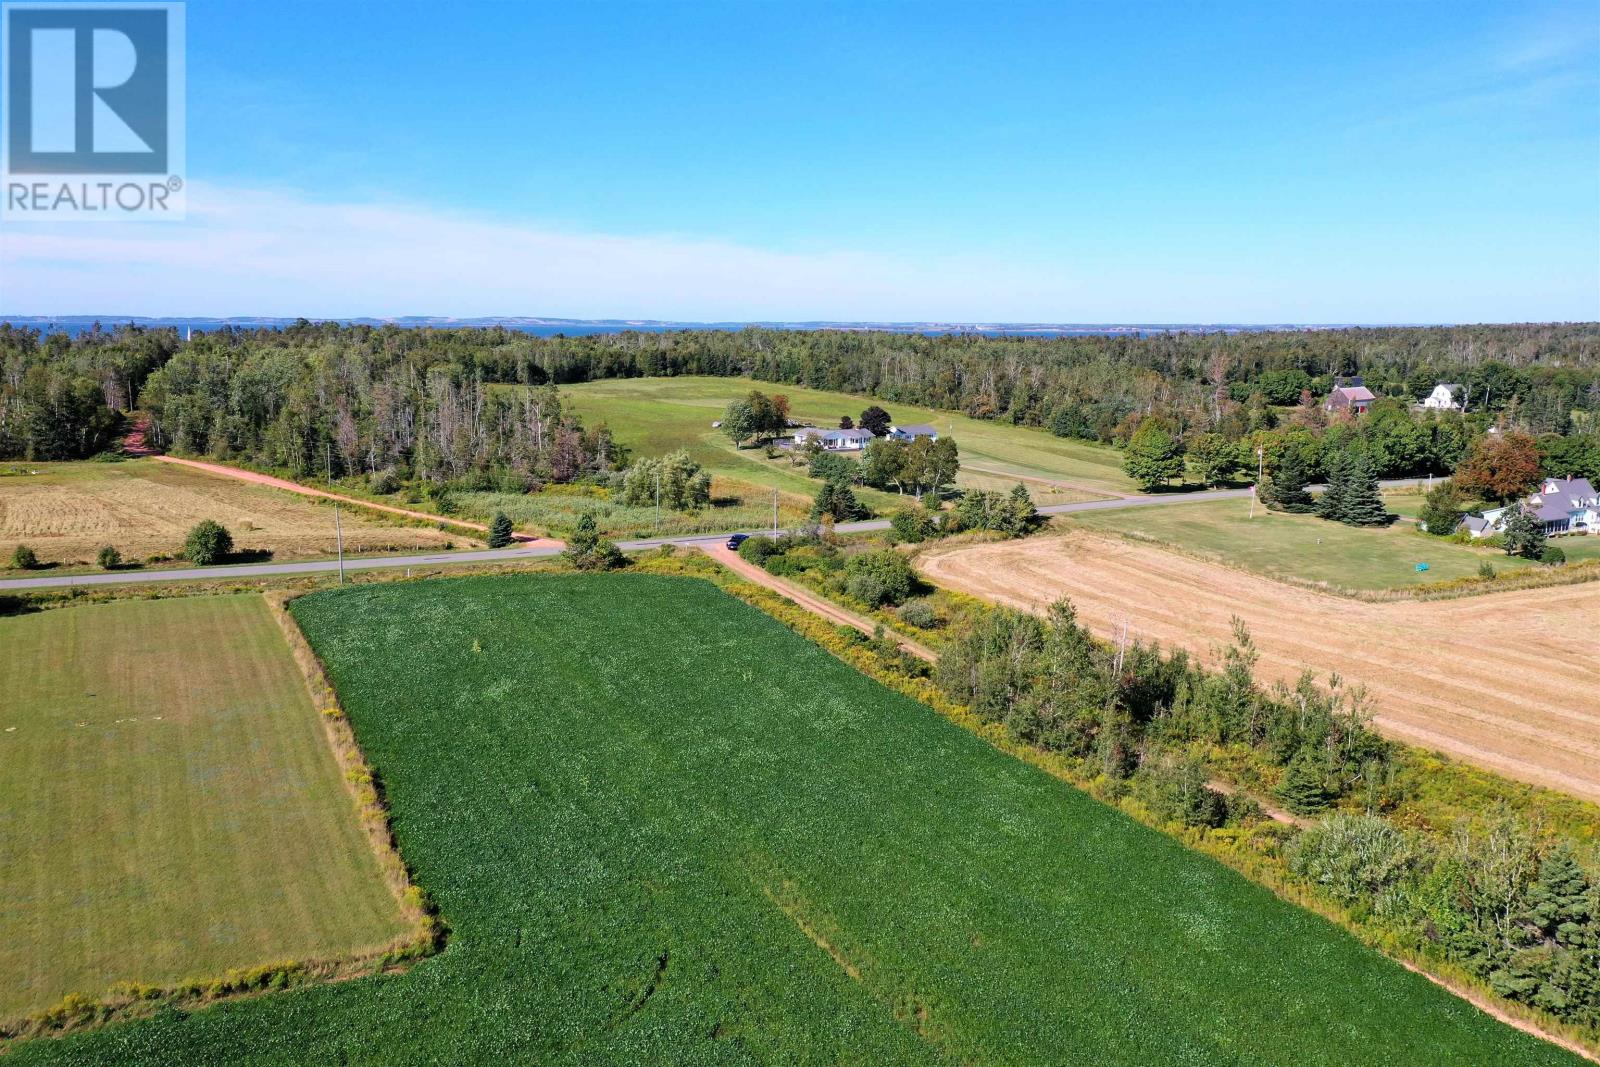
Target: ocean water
{"points": [[73, 325]]}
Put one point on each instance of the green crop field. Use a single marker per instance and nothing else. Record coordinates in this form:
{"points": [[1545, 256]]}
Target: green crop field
{"points": [[664, 829], [1306, 548], [169, 804], [655, 415]]}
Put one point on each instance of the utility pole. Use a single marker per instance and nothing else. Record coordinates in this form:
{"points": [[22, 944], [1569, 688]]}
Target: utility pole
{"points": [[338, 527], [1255, 490], [774, 513], [658, 498]]}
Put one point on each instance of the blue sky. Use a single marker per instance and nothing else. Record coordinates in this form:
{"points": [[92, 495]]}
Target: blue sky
{"points": [[980, 162]]}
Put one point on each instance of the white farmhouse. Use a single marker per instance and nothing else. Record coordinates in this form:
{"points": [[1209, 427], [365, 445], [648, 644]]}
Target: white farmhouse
{"points": [[834, 440], [1446, 396]]}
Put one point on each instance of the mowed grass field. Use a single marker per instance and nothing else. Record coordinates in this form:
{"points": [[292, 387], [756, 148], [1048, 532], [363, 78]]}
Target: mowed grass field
{"points": [[664, 829], [67, 511], [1308, 549], [655, 415], [169, 803]]}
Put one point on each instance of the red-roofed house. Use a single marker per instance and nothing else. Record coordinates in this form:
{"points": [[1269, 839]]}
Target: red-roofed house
{"points": [[1352, 396]]}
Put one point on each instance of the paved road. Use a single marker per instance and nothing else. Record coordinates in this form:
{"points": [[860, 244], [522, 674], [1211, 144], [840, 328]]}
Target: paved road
{"points": [[543, 548]]}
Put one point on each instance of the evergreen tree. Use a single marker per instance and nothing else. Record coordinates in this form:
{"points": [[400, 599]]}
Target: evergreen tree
{"points": [[838, 500], [1020, 512], [1286, 486], [1153, 458], [1331, 504], [1363, 502], [587, 551], [1304, 790], [1560, 905], [1524, 533], [500, 530], [1441, 509]]}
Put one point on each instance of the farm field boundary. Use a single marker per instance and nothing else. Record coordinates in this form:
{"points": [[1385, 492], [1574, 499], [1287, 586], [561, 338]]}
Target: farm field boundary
{"points": [[226, 855], [750, 795], [1502, 680]]}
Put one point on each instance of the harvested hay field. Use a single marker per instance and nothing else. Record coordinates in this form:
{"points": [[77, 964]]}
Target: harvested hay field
{"points": [[1504, 680], [67, 511]]}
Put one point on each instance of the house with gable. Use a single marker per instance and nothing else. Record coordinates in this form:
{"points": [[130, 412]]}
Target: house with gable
{"points": [[834, 440], [1564, 505], [1446, 396], [1349, 395]]}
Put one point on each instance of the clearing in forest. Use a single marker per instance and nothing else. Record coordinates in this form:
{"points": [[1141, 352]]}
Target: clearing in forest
{"points": [[169, 804], [656, 415], [662, 828]]}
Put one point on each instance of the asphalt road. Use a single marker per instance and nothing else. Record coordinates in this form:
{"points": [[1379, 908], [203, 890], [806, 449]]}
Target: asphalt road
{"points": [[493, 555]]}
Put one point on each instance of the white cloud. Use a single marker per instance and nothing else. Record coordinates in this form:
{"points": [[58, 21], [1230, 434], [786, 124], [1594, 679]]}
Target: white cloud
{"points": [[247, 251], [276, 252]]}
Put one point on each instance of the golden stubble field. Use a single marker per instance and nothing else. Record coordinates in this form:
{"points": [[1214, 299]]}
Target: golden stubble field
{"points": [[1504, 680], [67, 511]]}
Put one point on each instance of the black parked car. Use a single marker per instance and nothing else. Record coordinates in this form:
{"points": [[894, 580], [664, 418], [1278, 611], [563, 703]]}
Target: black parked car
{"points": [[736, 540]]}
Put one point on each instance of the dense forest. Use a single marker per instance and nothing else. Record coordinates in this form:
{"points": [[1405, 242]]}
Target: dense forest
{"points": [[423, 403]]}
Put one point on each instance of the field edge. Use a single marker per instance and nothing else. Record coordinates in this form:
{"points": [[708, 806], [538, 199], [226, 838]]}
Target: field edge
{"points": [[861, 657], [425, 936]]}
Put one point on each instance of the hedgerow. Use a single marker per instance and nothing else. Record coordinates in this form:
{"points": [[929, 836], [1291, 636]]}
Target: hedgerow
{"points": [[663, 829]]}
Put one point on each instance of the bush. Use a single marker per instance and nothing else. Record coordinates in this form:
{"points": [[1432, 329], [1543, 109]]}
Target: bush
{"points": [[913, 525], [109, 558], [1486, 570], [1355, 859], [1552, 556], [881, 577], [24, 558], [1180, 792], [587, 551], [919, 613], [383, 482], [758, 550], [209, 542]]}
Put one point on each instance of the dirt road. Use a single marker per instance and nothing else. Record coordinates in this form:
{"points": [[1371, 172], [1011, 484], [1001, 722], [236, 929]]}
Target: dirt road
{"points": [[807, 599], [1505, 680], [222, 470]]}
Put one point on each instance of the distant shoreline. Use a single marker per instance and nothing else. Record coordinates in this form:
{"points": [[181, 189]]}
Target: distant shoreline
{"points": [[76, 324]]}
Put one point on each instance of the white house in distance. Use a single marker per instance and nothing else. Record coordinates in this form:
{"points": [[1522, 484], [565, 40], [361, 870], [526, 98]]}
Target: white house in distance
{"points": [[1564, 505], [911, 433], [1445, 397], [1352, 396], [834, 440]]}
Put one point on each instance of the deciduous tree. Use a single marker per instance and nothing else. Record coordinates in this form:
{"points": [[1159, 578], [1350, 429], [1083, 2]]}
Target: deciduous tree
{"points": [[1154, 457], [1500, 467]]}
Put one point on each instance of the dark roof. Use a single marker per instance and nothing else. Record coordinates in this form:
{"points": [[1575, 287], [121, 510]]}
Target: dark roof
{"points": [[918, 429]]}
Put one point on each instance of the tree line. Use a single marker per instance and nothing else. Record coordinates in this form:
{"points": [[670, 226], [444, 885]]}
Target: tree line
{"points": [[432, 390]]}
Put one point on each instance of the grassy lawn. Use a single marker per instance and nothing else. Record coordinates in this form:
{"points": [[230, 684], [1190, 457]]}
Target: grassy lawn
{"points": [[654, 415], [143, 507], [171, 807], [1307, 548], [664, 829]]}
